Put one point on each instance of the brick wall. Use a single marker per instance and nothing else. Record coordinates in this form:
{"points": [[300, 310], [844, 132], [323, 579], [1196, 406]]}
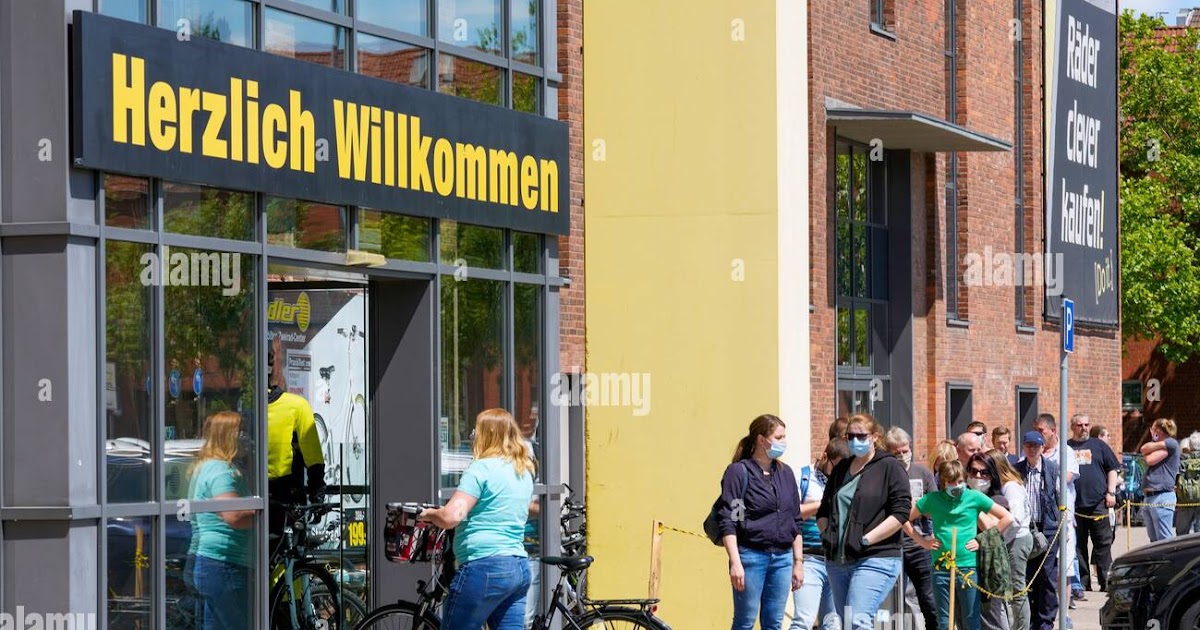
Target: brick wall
{"points": [[1176, 394], [849, 63], [570, 109]]}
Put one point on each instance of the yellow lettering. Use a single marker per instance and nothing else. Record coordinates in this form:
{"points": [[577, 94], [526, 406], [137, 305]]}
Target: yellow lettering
{"points": [[376, 162], [529, 182], [471, 171], [162, 116], [549, 185], [443, 167], [212, 145], [304, 135], [389, 149], [502, 185], [402, 150], [129, 99], [252, 122], [189, 104], [351, 138], [235, 118], [274, 149], [420, 158]]}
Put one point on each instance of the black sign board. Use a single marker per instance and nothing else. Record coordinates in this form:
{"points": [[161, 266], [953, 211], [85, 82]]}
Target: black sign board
{"points": [[199, 111], [1082, 219]]}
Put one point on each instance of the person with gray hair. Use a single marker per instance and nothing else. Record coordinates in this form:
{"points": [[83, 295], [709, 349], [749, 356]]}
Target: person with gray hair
{"points": [[968, 444], [918, 566], [1187, 515]]}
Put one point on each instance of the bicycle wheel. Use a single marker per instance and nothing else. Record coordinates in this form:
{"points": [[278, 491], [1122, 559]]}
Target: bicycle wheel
{"points": [[315, 604], [352, 606], [399, 616], [620, 619]]}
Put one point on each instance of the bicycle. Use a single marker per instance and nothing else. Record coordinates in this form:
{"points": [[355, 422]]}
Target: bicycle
{"points": [[336, 474], [588, 614], [304, 595]]}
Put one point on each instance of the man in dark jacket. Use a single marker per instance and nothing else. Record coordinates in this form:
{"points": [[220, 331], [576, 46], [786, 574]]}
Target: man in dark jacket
{"points": [[1041, 487]]}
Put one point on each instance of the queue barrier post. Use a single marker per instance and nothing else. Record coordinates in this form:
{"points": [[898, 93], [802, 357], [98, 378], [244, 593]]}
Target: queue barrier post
{"points": [[655, 559], [953, 571]]}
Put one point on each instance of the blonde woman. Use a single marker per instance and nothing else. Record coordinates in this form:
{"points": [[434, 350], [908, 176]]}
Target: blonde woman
{"points": [[942, 452], [488, 513], [222, 542], [1158, 486]]}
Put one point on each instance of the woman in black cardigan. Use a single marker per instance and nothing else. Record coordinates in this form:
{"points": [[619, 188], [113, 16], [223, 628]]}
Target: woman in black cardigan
{"points": [[866, 502]]}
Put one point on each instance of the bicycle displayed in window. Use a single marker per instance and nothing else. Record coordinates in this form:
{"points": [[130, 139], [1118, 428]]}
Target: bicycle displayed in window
{"points": [[352, 424], [304, 595]]}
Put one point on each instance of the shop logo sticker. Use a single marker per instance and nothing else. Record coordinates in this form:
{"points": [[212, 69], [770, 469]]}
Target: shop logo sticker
{"points": [[280, 311]]}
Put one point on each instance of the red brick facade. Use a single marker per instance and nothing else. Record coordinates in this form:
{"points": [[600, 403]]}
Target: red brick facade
{"points": [[1169, 390], [570, 248], [850, 63]]}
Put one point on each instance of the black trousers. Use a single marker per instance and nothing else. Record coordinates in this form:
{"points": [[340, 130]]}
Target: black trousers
{"points": [[1101, 535], [1043, 596], [918, 569]]}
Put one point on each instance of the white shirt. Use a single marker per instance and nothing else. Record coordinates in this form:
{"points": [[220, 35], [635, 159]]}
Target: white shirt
{"points": [[1016, 496], [1073, 468]]}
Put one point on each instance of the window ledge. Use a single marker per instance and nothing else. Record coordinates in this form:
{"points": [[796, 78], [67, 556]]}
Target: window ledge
{"points": [[954, 322], [883, 32], [1025, 330]]}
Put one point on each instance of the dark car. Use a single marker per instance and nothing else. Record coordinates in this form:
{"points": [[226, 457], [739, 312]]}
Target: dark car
{"points": [[1156, 587]]}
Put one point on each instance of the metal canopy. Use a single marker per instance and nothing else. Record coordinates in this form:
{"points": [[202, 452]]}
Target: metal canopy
{"points": [[909, 130]]}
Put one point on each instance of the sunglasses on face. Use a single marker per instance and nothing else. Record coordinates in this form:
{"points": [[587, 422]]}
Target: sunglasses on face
{"points": [[980, 473], [857, 436]]}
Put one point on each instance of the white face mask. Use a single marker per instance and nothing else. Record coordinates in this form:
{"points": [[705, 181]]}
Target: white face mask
{"points": [[906, 459], [981, 485]]}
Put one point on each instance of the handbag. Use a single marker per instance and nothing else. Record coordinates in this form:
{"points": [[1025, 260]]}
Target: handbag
{"points": [[1040, 544], [712, 524]]}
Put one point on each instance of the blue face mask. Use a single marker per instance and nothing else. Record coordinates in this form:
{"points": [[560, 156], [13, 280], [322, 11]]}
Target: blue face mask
{"points": [[776, 450], [956, 491], [860, 447]]}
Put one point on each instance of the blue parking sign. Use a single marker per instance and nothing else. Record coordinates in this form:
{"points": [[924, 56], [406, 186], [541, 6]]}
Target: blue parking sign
{"points": [[1068, 322]]}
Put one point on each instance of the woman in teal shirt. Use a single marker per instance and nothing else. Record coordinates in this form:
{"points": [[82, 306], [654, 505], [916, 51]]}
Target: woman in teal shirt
{"points": [[955, 511], [488, 513], [222, 542]]}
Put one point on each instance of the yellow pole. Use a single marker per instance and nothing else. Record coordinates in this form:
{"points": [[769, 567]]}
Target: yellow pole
{"points": [[1128, 524], [655, 559], [953, 571]]}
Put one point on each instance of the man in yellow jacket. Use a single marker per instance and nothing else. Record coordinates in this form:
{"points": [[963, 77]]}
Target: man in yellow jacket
{"points": [[293, 450]]}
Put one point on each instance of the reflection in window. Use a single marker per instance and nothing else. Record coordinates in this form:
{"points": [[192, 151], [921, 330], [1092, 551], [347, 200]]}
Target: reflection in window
{"points": [[336, 6], [204, 211], [128, 355], [470, 79], [527, 361], [131, 542], [471, 24], [471, 245], [524, 27], [209, 358], [472, 315], [300, 38], [207, 545], [394, 235], [526, 95], [527, 252], [229, 21], [127, 202], [305, 224], [132, 10], [392, 60], [410, 16]]}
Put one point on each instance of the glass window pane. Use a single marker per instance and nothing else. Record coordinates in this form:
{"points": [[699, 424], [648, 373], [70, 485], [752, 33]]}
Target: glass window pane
{"points": [[844, 253], [127, 202], [524, 29], [209, 359], [394, 235], [204, 211], [861, 335], [470, 79], [472, 245], [131, 582], [472, 314], [858, 184], [290, 35], [526, 93], [197, 585], [842, 186], [128, 347], [843, 336], [392, 60], [229, 21], [336, 6], [305, 224], [411, 16], [471, 24], [132, 10], [527, 326], [860, 257], [527, 252]]}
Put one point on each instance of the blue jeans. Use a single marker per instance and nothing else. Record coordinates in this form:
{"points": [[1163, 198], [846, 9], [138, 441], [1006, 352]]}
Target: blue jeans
{"points": [[488, 590], [966, 600], [814, 600], [860, 587], [1160, 519], [225, 592], [768, 582]]}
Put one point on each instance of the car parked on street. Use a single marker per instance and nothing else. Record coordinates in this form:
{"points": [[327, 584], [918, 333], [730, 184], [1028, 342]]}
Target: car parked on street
{"points": [[1155, 587]]}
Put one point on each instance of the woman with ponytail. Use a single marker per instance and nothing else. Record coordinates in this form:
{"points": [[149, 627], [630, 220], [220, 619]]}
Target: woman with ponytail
{"points": [[760, 526]]}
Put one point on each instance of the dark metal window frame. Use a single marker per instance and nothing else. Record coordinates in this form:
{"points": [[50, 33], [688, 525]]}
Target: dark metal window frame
{"points": [[1023, 390], [951, 193], [1019, 292], [879, 22], [951, 388], [854, 302]]}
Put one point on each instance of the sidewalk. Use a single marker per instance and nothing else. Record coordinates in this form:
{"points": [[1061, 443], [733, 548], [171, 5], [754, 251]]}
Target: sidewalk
{"points": [[1086, 615]]}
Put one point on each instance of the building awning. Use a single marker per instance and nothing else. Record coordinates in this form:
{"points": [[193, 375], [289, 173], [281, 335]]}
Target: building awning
{"points": [[909, 130]]}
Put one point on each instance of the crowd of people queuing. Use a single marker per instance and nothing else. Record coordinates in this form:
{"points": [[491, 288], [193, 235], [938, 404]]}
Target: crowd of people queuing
{"points": [[840, 533]]}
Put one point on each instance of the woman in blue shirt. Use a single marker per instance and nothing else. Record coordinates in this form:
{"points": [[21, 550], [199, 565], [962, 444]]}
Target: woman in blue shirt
{"points": [[222, 542], [488, 513]]}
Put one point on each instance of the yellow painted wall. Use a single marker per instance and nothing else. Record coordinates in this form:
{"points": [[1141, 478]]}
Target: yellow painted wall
{"points": [[685, 117]]}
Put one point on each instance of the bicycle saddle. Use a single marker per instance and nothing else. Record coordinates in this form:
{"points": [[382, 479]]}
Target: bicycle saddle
{"points": [[571, 563]]}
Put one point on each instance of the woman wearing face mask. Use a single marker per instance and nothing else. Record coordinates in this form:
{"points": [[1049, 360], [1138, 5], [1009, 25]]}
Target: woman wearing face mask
{"points": [[813, 602], [999, 480], [759, 513], [865, 503], [955, 512]]}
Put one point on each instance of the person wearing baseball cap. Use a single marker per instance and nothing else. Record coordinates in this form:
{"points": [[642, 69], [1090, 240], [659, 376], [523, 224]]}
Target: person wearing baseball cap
{"points": [[1041, 488]]}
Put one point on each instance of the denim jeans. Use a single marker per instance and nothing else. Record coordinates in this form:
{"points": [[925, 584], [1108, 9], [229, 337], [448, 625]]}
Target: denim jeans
{"points": [[488, 590], [768, 582], [1187, 520], [225, 591], [1159, 514], [533, 597], [813, 602], [860, 587], [966, 600]]}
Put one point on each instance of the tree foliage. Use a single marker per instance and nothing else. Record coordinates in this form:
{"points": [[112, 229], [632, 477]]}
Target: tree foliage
{"points": [[1160, 185]]}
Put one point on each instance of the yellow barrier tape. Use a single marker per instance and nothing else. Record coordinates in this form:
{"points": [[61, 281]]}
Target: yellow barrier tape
{"points": [[663, 527]]}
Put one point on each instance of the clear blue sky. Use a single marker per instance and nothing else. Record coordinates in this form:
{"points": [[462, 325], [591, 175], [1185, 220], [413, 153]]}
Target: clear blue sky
{"points": [[1151, 7]]}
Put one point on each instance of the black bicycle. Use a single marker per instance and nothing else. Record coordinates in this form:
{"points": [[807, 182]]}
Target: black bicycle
{"points": [[304, 595], [580, 614]]}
